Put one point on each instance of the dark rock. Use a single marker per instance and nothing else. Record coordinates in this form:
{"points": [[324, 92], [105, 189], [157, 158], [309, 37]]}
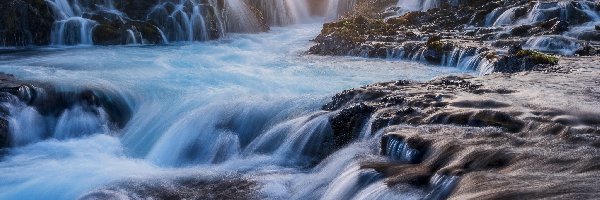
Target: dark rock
{"points": [[522, 30], [560, 27], [348, 123], [25, 22], [105, 34], [138, 9], [587, 50], [519, 60], [4, 133]]}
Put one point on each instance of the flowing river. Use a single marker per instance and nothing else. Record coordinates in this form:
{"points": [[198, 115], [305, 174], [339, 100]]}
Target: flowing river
{"points": [[244, 107]]}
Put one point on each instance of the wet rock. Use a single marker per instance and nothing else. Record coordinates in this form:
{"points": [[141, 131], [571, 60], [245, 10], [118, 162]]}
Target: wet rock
{"points": [[106, 35], [25, 22], [519, 60], [348, 123], [435, 50], [51, 103], [138, 9], [559, 27], [180, 188], [124, 31], [4, 133], [587, 50]]}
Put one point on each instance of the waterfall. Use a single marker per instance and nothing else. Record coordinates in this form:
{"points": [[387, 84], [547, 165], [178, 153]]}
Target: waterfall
{"points": [[80, 121], [399, 150], [240, 18], [574, 11], [207, 140], [507, 17], [187, 21], [337, 8], [553, 44], [464, 58], [418, 5], [131, 38], [26, 124], [491, 17], [282, 12], [70, 28]]}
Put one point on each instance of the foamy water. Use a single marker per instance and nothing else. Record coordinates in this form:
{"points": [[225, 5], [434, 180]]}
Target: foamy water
{"points": [[245, 104]]}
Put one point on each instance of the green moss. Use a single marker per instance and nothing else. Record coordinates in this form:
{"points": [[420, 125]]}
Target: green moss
{"points": [[538, 57]]}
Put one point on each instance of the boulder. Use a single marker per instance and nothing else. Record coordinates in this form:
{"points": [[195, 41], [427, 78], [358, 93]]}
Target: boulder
{"points": [[25, 22]]}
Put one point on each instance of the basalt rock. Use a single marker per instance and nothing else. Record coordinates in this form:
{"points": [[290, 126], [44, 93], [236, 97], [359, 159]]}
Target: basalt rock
{"points": [[25, 22]]}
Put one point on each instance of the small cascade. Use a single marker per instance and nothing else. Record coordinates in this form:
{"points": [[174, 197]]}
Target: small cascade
{"points": [[465, 58], [557, 44], [131, 37], [26, 124], [70, 28], [35, 114], [418, 5], [239, 18], [187, 21], [282, 12], [441, 186], [573, 11], [399, 150], [81, 120], [507, 17], [348, 183], [201, 140], [338, 8]]}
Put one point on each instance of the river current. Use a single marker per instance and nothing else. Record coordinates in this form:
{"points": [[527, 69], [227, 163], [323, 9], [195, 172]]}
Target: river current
{"points": [[247, 106]]}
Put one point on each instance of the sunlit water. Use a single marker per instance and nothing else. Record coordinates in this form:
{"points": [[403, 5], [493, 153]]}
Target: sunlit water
{"points": [[247, 105]]}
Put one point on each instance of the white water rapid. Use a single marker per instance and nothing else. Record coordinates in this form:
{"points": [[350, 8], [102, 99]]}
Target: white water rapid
{"points": [[247, 106]]}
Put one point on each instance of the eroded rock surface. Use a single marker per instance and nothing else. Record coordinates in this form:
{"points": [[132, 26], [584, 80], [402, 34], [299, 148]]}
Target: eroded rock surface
{"points": [[520, 135]]}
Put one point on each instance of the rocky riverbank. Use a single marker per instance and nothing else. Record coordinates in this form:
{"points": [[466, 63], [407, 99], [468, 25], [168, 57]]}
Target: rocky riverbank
{"points": [[486, 36], [524, 135]]}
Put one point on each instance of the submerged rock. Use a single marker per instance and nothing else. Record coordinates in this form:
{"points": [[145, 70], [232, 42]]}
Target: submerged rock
{"points": [[180, 188], [524, 60], [61, 111]]}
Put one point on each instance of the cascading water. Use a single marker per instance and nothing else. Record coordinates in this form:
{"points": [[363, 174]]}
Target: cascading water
{"points": [[573, 11], [281, 13], [70, 28], [553, 44], [187, 21], [240, 18], [200, 111], [507, 17], [418, 5], [464, 58]]}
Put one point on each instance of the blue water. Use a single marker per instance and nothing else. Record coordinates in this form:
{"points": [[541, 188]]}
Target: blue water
{"points": [[248, 104]]}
